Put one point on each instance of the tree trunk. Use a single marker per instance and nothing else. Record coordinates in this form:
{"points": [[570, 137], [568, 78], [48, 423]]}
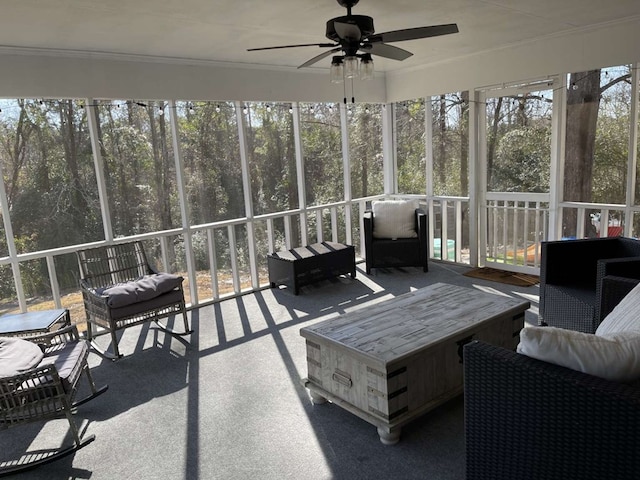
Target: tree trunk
{"points": [[442, 148], [583, 102], [69, 140], [493, 140]]}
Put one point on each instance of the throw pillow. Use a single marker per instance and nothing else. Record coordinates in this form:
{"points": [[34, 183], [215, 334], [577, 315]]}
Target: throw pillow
{"points": [[613, 356], [394, 219], [18, 356], [624, 317]]}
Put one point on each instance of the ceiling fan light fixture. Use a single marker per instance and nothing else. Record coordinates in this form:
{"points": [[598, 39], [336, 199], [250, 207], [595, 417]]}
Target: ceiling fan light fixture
{"points": [[366, 67], [351, 65], [337, 70]]}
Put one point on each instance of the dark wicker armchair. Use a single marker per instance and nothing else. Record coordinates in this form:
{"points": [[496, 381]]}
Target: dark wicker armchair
{"points": [[530, 420], [396, 252], [120, 289], [45, 391], [573, 293]]}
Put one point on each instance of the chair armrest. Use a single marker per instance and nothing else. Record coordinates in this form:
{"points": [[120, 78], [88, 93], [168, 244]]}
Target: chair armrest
{"points": [[617, 268], [95, 305], [89, 291], [368, 225], [529, 419], [621, 267], [422, 231], [421, 221], [66, 334], [612, 290], [581, 255]]}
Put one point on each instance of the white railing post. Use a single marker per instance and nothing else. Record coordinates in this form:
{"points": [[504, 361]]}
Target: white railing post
{"points": [[633, 152], [98, 166], [302, 189], [233, 255], [556, 175], [246, 190], [346, 172], [389, 169], [184, 206], [53, 278], [11, 244], [213, 263], [428, 154]]}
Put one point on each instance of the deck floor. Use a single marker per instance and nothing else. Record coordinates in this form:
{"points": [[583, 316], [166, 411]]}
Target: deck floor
{"points": [[230, 405]]}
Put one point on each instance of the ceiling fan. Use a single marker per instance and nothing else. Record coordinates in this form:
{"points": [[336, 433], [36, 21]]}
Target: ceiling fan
{"points": [[355, 33]]}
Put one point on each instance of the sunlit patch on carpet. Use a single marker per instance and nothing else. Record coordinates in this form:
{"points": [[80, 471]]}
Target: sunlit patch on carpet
{"points": [[502, 276]]}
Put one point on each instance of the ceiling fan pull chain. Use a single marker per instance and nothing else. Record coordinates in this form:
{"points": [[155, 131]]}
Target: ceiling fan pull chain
{"points": [[353, 97], [344, 91]]}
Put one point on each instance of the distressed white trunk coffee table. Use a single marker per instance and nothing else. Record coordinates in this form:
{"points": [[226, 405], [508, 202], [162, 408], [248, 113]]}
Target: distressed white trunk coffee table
{"points": [[398, 359]]}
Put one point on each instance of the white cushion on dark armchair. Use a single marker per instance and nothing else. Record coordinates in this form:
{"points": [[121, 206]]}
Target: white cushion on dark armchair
{"points": [[614, 356], [613, 352], [394, 219]]}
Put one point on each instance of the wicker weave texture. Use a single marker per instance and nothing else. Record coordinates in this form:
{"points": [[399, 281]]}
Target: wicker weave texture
{"points": [[530, 420], [571, 279]]}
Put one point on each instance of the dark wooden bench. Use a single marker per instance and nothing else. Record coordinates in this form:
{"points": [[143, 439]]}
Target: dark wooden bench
{"points": [[305, 265]]}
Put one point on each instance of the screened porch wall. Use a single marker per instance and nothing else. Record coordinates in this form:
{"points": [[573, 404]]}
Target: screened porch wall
{"points": [[221, 251]]}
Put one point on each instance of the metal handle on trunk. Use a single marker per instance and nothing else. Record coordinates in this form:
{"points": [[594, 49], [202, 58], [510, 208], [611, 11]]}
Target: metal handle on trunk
{"points": [[342, 378]]}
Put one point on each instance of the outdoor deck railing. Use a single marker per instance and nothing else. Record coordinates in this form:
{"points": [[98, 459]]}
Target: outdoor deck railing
{"points": [[516, 224]]}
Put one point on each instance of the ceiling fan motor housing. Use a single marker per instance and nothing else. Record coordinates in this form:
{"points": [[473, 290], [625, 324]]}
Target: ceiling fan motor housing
{"points": [[363, 22]]}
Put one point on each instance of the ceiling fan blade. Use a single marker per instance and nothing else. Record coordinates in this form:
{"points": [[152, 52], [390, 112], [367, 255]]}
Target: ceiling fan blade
{"points": [[414, 33], [387, 51], [322, 45], [317, 58], [347, 31]]}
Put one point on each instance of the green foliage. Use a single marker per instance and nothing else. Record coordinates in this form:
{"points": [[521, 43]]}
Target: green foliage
{"points": [[522, 160], [410, 146]]}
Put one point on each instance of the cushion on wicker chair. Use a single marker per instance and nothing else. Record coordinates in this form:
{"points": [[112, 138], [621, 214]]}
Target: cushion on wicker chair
{"points": [[624, 317], [143, 289], [614, 356], [68, 359], [18, 356], [394, 219]]}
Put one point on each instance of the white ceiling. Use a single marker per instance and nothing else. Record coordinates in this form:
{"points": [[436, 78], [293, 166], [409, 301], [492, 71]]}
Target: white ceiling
{"points": [[222, 30]]}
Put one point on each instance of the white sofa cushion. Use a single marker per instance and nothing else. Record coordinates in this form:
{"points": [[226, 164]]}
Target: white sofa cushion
{"points": [[614, 356], [624, 317], [394, 218]]}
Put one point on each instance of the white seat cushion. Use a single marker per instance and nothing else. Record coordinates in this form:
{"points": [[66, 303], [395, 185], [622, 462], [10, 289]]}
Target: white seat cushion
{"points": [[394, 219]]}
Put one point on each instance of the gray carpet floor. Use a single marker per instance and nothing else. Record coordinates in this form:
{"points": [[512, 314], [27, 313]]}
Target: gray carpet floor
{"points": [[229, 404]]}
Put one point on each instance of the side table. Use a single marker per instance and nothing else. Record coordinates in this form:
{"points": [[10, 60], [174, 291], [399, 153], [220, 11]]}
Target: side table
{"points": [[32, 325]]}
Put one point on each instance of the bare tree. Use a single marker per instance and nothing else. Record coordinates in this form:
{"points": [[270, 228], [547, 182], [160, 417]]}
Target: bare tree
{"points": [[583, 103]]}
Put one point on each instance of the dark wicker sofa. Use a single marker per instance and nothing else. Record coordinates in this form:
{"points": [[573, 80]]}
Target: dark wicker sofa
{"points": [[528, 419], [573, 293]]}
